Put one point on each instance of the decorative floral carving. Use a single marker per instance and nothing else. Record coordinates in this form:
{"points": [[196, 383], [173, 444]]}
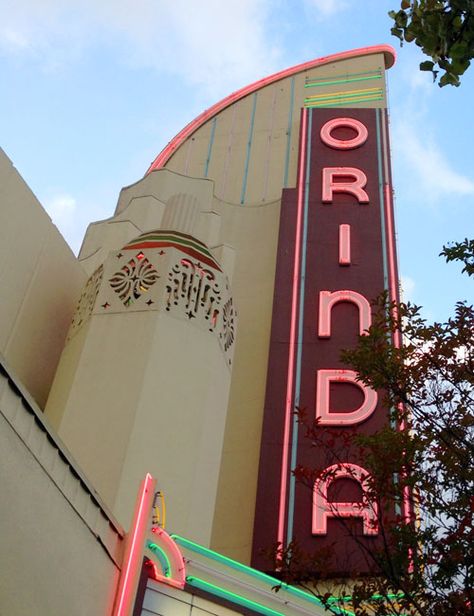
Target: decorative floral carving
{"points": [[133, 279], [228, 325], [86, 302], [195, 288]]}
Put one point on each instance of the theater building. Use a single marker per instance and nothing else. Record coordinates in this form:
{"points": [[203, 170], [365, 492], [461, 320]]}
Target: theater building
{"points": [[177, 346]]}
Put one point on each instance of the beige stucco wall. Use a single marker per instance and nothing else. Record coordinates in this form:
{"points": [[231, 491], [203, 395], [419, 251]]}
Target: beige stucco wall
{"points": [[40, 281], [60, 548], [143, 386]]}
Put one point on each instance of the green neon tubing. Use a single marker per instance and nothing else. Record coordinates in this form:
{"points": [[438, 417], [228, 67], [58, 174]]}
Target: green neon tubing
{"points": [[231, 596], [374, 92], [162, 557], [259, 575], [345, 102], [332, 83]]}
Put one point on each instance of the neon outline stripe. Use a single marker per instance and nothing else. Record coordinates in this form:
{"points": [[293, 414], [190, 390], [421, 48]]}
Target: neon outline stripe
{"points": [[343, 93], [164, 156], [294, 444], [290, 125], [311, 84], [249, 145], [159, 552], [264, 577], [134, 549], [291, 352], [231, 596], [255, 573], [361, 99], [209, 149], [268, 150], [346, 75], [381, 199]]}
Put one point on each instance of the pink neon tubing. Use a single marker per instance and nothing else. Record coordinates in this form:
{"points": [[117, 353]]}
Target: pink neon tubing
{"points": [[134, 549], [394, 298], [164, 156], [291, 354]]}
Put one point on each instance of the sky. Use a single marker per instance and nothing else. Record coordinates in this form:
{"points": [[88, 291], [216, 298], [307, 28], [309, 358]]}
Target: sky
{"points": [[92, 90]]}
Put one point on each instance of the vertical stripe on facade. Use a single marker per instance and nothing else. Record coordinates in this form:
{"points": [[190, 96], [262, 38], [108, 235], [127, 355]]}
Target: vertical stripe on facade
{"points": [[249, 147], [294, 441], [209, 149], [288, 132], [291, 353]]}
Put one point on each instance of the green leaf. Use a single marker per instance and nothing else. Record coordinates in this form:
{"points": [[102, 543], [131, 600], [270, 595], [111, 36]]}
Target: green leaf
{"points": [[427, 65]]}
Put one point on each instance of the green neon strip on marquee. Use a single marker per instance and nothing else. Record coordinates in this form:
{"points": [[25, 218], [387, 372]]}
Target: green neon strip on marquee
{"points": [[264, 577], [259, 575], [231, 596], [162, 557], [336, 81]]}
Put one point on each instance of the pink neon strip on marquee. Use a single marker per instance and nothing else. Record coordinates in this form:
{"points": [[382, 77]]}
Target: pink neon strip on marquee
{"points": [[292, 346], [134, 549], [173, 145], [344, 244]]}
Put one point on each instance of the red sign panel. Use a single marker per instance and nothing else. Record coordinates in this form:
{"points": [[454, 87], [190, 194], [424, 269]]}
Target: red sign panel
{"points": [[335, 254]]}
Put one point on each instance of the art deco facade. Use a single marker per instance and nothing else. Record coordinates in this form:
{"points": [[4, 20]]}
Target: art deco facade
{"points": [[150, 352]]}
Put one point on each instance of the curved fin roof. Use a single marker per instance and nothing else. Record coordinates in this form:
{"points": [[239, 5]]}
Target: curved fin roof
{"points": [[163, 157]]}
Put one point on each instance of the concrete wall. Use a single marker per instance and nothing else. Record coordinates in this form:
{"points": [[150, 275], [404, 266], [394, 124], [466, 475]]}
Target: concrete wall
{"points": [[40, 281], [60, 549]]}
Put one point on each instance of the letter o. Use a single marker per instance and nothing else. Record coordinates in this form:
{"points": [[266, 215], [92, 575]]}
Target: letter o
{"points": [[344, 144]]}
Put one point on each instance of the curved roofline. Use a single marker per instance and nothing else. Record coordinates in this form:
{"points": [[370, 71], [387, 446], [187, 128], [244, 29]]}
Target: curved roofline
{"points": [[173, 145]]}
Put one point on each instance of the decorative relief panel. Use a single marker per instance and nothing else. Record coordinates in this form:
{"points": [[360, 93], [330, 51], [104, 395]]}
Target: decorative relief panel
{"points": [[86, 302], [133, 279], [170, 272]]}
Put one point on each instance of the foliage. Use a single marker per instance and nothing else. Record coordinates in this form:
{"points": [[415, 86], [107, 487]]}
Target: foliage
{"points": [[425, 565], [461, 251], [444, 29]]}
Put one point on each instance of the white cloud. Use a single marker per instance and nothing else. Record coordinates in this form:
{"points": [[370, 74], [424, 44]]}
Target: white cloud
{"points": [[424, 165], [206, 42], [62, 210], [327, 8]]}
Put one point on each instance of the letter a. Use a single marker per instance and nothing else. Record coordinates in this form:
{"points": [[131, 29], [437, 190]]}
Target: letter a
{"points": [[322, 509]]}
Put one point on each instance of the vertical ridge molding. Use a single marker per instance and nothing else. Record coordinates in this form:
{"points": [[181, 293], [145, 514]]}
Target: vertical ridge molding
{"points": [[249, 147], [289, 132], [209, 149]]}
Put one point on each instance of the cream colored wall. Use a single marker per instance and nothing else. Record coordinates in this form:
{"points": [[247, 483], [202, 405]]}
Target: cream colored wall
{"points": [[40, 281], [143, 387], [60, 549]]}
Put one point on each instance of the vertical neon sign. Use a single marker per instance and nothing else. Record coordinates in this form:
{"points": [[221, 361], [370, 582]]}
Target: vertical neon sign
{"points": [[348, 252]]}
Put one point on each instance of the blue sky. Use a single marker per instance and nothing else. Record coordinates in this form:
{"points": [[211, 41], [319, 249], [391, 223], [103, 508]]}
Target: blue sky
{"points": [[91, 91]]}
